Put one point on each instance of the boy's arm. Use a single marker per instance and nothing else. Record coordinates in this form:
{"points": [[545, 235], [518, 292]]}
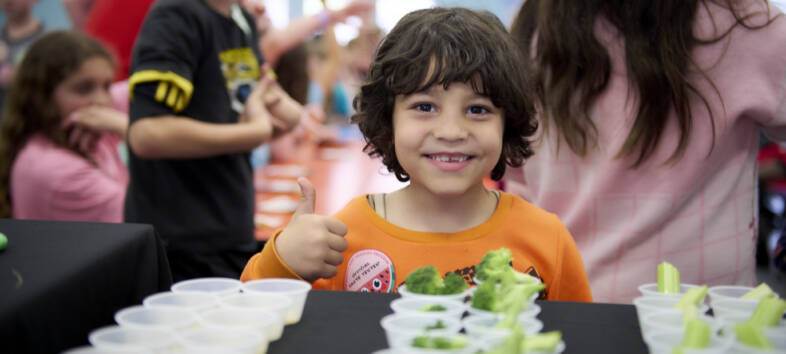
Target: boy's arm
{"points": [[267, 264], [309, 247]]}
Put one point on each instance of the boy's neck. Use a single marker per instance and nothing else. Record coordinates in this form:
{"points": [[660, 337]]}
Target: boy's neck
{"points": [[416, 208], [223, 7], [22, 26]]}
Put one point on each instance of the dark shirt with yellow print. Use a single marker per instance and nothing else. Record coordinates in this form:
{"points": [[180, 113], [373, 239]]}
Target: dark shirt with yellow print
{"points": [[191, 61]]}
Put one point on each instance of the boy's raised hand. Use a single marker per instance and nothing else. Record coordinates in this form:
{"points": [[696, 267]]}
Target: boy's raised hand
{"points": [[311, 244]]}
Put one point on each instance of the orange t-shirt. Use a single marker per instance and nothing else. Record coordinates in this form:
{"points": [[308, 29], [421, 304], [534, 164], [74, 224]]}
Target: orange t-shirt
{"points": [[381, 255]]}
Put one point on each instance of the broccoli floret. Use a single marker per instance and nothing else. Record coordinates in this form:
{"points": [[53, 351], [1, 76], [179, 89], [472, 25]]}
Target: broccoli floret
{"points": [[485, 296], [516, 298], [438, 325], [425, 280], [433, 308], [511, 345], [494, 264], [454, 284], [457, 342]]}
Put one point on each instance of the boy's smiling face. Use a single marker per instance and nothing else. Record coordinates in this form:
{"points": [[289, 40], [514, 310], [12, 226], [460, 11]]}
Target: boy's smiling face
{"points": [[447, 140]]}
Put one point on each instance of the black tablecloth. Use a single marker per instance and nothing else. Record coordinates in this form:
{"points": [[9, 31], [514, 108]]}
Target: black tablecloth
{"points": [[347, 322], [60, 280]]}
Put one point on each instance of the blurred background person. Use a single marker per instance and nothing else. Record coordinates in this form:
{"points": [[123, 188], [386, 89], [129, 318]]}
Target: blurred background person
{"points": [[59, 139], [650, 118], [21, 29]]}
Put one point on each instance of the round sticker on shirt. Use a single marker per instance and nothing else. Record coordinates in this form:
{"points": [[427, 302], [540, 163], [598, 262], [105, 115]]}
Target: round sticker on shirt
{"points": [[370, 271]]}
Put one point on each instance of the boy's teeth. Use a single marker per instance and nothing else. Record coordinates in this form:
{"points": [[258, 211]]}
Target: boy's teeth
{"points": [[443, 158]]}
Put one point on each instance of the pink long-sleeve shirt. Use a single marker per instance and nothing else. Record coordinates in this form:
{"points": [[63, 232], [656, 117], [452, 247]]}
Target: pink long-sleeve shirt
{"points": [[52, 183], [699, 213]]}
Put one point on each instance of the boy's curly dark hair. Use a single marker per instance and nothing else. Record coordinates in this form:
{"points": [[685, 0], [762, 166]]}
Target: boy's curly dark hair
{"points": [[446, 45]]}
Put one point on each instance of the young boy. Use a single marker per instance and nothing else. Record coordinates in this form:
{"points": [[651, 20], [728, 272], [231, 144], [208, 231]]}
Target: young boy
{"points": [[199, 104], [445, 104]]}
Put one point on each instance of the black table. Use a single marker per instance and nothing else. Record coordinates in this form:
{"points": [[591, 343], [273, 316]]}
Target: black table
{"points": [[60, 280], [347, 322]]}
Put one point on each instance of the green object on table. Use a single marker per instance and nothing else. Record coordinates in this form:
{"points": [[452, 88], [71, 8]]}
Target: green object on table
{"points": [[668, 279], [768, 313], [542, 341], [457, 342], [697, 335], [752, 336], [762, 291], [3, 241], [694, 297], [689, 313]]}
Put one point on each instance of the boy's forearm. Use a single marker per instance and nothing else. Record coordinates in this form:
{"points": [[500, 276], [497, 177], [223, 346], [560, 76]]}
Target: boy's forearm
{"points": [[181, 137]]}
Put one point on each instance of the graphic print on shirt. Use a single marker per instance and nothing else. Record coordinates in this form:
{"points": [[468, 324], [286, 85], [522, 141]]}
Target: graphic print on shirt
{"points": [[370, 270], [241, 72]]}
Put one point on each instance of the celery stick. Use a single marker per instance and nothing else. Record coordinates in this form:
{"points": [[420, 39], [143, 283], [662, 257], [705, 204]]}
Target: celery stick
{"points": [[668, 279], [768, 313], [751, 335], [760, 292]]}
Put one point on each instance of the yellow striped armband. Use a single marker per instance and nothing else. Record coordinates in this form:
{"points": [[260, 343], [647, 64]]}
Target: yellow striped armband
{"points": [[173, 90]]}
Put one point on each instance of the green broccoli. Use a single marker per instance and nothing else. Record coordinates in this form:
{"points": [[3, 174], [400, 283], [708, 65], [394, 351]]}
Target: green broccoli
{"points": [[547, 341], [438, 325], [426, 280], [494, 264], [485, 296], [457, 342], [454, 284], [433, 308]]}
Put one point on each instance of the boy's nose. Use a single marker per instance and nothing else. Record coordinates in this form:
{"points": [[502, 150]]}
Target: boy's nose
{"points": [[451, 128]]}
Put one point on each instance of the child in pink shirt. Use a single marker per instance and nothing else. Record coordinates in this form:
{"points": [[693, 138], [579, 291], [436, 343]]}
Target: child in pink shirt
{"points": [[58, 149], [688, 201]]}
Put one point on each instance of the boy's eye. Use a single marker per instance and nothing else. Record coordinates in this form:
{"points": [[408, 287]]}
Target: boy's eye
{"points": [[478, 110], [424, 107]]}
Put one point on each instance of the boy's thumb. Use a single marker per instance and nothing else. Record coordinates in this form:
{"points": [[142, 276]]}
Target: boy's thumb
{"points": [[308, 197]]}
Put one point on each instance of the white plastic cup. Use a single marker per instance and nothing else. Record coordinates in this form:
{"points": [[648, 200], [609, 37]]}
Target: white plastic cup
{"points": [[194, 301], [404, 346], [664, 343], [277, 305], [216, 286], [415, 305], [295, 290], [164, 318], [729, 320], [722, 308], [131, 339], [261, 321], [729, 292], [482, 328], [400, 327], [777, 340], [223, 340], [89, 349], [460, 297], [646, 305], [672, 322], [651, 289], [531, 311]]}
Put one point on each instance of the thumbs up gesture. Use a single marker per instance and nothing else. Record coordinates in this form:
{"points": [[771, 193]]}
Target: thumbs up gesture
{"points": [[311, 244]]}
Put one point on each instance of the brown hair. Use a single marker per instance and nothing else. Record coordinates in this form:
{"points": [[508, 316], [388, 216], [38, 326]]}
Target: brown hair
{"points": [[570, 68], [442, 46], [29, 107]]}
